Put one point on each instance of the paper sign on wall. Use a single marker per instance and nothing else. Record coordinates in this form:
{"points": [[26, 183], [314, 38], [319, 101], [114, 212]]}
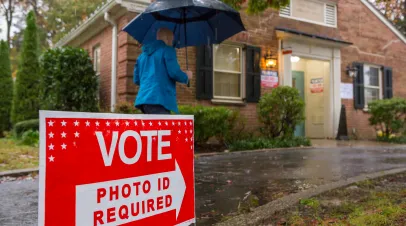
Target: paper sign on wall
{"points": [[346, 91], [269, 79], [316, 85], [112, 169]]}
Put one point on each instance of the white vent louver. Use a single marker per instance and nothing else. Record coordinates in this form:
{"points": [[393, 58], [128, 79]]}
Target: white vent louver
{"points": [[285, 11], [331, 17]]}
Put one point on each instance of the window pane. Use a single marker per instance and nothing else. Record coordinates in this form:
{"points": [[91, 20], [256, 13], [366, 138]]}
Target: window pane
{"points": [[371, 94], [227, 58], [227, 85], [371, 76]]}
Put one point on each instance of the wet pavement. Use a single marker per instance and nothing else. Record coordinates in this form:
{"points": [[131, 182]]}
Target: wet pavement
{"points": [[223, 180]]}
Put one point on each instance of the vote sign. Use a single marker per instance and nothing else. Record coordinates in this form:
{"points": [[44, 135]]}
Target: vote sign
{"points": [[113, 169]]}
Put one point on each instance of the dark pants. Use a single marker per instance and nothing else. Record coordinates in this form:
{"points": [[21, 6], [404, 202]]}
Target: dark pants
{"points": [[154, 109]]}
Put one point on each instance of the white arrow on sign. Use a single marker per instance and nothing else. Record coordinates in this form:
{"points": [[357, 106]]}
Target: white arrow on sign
{"points": [[87, 207]]}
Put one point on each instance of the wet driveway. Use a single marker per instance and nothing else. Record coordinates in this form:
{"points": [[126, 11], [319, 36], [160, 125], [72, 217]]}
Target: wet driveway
{"points": [[223, 180]]}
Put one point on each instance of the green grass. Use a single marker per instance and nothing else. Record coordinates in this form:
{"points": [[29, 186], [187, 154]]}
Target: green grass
{"points": [[14, 156]]}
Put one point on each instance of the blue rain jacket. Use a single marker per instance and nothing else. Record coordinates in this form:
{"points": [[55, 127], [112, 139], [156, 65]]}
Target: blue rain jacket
{"points": [[156, 72]]}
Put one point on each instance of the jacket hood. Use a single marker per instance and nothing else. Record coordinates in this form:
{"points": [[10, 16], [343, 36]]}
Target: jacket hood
{"points": [[150, 48]]}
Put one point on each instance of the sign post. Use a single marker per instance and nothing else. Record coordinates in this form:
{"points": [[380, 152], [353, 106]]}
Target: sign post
{"points": [[114, 169]]}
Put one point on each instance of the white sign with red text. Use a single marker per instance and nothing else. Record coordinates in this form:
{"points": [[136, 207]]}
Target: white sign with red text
{"points": [[114, 169]]}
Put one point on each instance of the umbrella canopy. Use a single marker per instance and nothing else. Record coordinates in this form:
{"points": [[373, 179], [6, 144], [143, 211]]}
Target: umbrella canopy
{"points": [[193, 22]]}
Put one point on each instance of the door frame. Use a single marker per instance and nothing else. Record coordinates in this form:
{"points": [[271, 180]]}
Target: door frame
{"points": [[332, 117]]}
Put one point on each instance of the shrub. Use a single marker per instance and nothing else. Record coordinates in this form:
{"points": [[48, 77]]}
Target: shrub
{"points": [[68, 81], [255, 143], [280, 111], [24, 126], [210, 122], [127, 108], [26, 102], [30, 138], [6, 87], [388, 115]]}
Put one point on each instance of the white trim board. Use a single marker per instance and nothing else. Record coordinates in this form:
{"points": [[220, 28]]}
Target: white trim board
{"points": [[382, 18]]}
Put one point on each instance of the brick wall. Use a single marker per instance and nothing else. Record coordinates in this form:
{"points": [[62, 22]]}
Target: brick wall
{"points": [[373, 43], [103, 40]]}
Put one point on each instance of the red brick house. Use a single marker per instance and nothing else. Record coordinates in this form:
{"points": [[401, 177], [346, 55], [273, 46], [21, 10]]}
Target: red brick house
{"points": [[312, 43]]}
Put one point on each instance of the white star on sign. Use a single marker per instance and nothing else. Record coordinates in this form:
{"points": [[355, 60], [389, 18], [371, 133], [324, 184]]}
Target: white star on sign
{"points": [[185, 124], [51, 147], [63, 146], [191, 147], [178, 123], [166, 123], [135, 123], [127, 123], [191, 131], [191, 123], [51, 123], [159, 123], [76, 123], [63, 135], [87, 123], [150, 123], [173, 123], [186, 140], [51, 135], [97, 123], [51, 159], [77, 134], [191, 139], [117, 123], [143, 124], [63, 123], [185, 131], [107, 123], [179, 132]]}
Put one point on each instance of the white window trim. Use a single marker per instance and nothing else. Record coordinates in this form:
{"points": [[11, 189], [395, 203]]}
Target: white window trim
{"points": [[242, 73], [380, 87], [311, 21], [95, 49]]}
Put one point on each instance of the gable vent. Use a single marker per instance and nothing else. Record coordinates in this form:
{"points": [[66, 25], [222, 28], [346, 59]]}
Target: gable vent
{"points": [[285, 11], [331, 17]]}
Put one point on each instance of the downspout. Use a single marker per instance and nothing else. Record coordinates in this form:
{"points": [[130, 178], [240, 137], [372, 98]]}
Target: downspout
{"points": [[113, 23]]}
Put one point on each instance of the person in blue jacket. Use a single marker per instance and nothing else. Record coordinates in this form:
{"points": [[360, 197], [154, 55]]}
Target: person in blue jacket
{"points": [[156, 72]]}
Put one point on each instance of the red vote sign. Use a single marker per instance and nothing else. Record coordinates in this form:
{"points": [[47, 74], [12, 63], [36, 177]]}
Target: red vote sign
{"points": [[114, 169]]}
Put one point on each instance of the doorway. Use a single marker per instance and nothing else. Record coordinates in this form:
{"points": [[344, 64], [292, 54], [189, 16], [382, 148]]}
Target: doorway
{"points": [[312, 78]]}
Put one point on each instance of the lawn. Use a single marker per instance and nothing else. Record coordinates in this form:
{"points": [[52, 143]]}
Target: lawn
{"points": [[376, 202], [13, 156]]}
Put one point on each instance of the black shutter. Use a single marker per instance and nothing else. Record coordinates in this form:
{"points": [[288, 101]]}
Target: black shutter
{"points": [[204, 75], [253, 74], [359, 99], [387, 83]]}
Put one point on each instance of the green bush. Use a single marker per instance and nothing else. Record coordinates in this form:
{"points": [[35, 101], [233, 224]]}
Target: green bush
{"points": [[388, 115], [25, 126], [394, 140], [127, 108], [6, 87], [68, 81], [210, 122], [30, 138], [26, 91], [266, 143], [280, 111]]}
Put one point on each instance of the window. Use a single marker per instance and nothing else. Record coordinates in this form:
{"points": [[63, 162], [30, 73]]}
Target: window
{"points": [[372, 83], [96, 59], [312, 11], [227, 71]]}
